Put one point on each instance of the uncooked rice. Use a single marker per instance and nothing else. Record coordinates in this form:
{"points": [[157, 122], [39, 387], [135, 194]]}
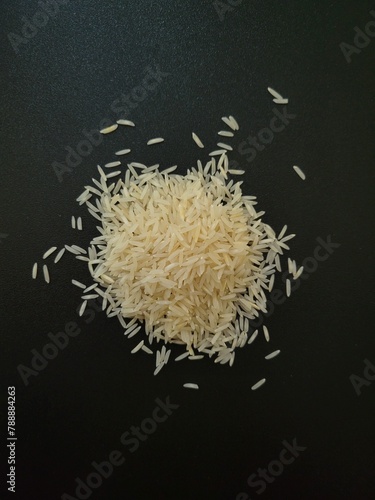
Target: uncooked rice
{"points": [[134, 332], [34, 271], [288, 288], [79, 284], [59, 255], [109, 129], [253, 337], [137, 347], [182, 356], [189, 385], [217, 152], [83, 307], [128, 123], [222, 145], [46, 274], [197, 141], [266, 333], [299, 172], [298, 273], [156, 140], [49, 252], [112, 164], [234, 122], [187, 258], [273, 354], [278, 98], [258, 384]]}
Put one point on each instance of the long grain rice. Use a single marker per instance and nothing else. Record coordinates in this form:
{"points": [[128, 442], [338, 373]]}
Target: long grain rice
{"points": [[288, 287], [127, 123], [188, 256], [49, 252], [258, 384], [273, 354], [299, 172], [197, 141], [46, 274], [109, 129], [156, 140], [189, 385]]}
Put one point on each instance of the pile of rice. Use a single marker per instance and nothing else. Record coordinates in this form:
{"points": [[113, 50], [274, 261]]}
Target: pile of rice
{"points": [[186, 255]]}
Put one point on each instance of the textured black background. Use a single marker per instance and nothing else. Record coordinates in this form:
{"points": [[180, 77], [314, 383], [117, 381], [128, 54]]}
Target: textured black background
{"points": [[64, 80]]}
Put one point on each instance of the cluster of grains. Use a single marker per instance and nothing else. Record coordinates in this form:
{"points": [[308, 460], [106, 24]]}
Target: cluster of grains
{"points": [[187, 255]]}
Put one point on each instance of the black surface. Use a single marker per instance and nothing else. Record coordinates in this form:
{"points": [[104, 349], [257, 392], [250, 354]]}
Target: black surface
{"points": [[64, 80]]}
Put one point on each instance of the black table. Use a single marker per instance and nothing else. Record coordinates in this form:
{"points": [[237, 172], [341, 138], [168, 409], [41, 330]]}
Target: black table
{"points": [[173, 68]]}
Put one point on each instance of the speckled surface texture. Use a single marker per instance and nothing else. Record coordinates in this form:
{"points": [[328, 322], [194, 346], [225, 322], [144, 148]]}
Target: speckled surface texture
{"points": [[174, 68]]}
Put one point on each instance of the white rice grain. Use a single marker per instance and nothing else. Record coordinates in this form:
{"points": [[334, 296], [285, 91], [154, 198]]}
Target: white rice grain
{"points": [[217, 152], [298, 273], [253, 337], [134, 332], [156, 140], [158, 369], [258, 384], [59, 255], [82, 308], [234, 122], [182, 356], [122, 152], [34, 271], [113, 174], [225, 133], [299, 172], [236, 172], [109, 129], [266, 333], [112, 164], [222, 145], [197, 141], [271, 283], [49, 252], [137, 347], [79, 284], [127, 123], [278, 98], [189, 385], [46, 274], [272, 354], [288, 288]]}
